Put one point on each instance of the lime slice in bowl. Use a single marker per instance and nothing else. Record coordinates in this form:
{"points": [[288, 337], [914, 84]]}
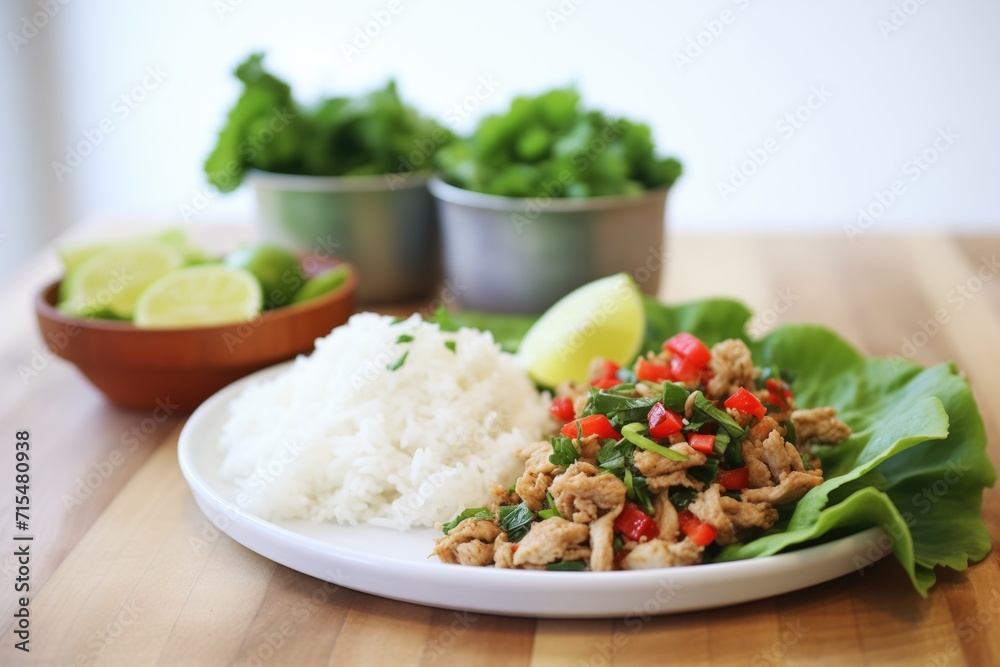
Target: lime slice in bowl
{"points": [[74, 255], [111, 280], [604, 318], [199, 296]]}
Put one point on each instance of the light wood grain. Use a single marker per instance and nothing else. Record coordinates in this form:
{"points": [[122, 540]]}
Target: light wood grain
{"points": [[131, 573]]}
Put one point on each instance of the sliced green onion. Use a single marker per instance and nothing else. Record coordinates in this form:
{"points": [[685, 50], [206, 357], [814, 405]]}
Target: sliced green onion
{"points": [[633, 433], [567, 566]]}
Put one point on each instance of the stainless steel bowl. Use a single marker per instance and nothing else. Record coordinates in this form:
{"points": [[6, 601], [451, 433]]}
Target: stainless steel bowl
{"points": [[384, 225], [511, 254]]}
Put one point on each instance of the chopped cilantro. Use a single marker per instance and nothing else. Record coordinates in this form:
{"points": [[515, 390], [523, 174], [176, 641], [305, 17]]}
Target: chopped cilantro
{"points": [[681, 497], [471, 513], [516, 520], [396, 365], [564, 452]]}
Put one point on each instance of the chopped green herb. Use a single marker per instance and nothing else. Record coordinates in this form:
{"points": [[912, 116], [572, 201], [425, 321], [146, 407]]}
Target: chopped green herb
{"points": [[471, 513], [632, 433], [805, 461], [706, 409], [733, 456], [768, 372], [674, 397], [722, 441], [404, 338], [681, 496], [396, 365], [396, 320], [790, 432], [612, 455], [564, 452], [618, 543], [451, 345], [516, 520], [706, 473], [637, 491], [620, 410], [442, 318], [567, 566], [551, 510]]}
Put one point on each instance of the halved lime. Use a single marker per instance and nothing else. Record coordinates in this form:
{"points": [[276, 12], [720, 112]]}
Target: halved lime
{"points": [[199, 296], [277, 270], [111, 280], [604, 318], [322, 283]]}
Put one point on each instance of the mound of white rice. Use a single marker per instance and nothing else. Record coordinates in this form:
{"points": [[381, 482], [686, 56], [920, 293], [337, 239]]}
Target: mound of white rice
{"points": [[341, 437]]}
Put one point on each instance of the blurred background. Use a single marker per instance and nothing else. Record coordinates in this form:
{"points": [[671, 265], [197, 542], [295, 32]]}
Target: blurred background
{"points": [[788, 116]]}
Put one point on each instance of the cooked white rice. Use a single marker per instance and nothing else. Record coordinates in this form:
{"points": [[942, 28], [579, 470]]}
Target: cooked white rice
{"points": [[339, 437]]}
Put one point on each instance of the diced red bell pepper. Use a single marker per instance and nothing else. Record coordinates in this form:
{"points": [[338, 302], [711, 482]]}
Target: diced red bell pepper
{"points": [[735, 480], [609, 370], [702, 442], [652, 371], [635, 524], [747, 403], [605, 383], [598, 425], [689, 347], [777, 386], [700, 532], [684, 369], [778, 393], [562, 408], [663, 423]]}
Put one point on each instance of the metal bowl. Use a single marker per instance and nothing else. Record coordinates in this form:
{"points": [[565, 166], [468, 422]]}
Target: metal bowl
{"points": [[521, 255], [384, 225]]}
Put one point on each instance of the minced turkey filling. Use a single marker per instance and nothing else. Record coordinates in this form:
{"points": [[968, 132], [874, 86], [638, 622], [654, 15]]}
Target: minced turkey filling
{"points": [[658, 465]]}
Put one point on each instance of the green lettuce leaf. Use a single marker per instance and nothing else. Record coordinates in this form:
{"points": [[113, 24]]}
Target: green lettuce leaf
{"points": [[915, 464]]}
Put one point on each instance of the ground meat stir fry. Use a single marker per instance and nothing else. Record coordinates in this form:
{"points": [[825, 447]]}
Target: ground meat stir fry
{"points": [[658, 465]]}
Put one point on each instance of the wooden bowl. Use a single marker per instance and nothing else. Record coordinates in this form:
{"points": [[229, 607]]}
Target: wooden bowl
{"points": [[144, 369]]}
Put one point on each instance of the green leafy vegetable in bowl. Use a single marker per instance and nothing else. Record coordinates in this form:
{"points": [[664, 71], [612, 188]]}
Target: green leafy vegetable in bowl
{"points": [[914, 429], [367, 135], [549, 145]]}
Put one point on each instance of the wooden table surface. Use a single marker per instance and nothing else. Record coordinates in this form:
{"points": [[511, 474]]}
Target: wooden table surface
{"points": [[125, 570]]}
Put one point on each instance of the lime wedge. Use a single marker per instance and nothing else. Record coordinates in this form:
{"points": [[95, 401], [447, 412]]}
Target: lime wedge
{"points": [[199, 296], [604, 318], [111, 280], [322, 283]]}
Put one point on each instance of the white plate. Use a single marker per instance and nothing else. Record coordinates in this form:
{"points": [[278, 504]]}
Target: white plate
{"points": [[395, 564]]}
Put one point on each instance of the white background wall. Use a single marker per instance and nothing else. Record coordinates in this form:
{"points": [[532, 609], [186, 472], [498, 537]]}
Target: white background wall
{"points": [[897, 73]]}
